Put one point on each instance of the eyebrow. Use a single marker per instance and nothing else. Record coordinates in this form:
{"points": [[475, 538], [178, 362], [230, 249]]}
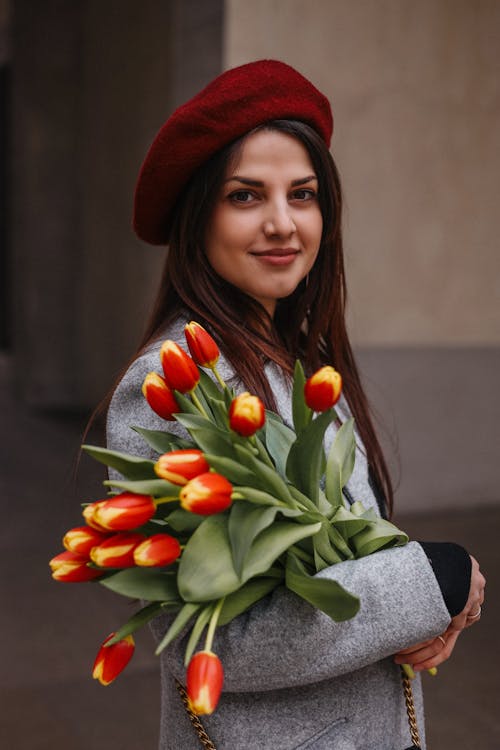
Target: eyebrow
{"points": [[259, 183]]}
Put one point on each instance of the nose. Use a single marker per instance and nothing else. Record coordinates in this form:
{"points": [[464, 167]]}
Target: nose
{"points": [[278, 221]]}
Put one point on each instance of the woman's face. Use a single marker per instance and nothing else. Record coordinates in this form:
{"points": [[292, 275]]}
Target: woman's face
{"points": [[265, 230]]}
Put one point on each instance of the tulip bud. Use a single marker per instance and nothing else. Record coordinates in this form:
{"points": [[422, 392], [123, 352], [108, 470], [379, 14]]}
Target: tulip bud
{"points": [[82, 538], [180, 466], [117, 551], [181, 373], [88, 514], [203, 348], [158, 550], [159, 396], [206, 494], [322, 390], [111, 660], [70, 567], [246, 414], [204, 679], [124, 512]]}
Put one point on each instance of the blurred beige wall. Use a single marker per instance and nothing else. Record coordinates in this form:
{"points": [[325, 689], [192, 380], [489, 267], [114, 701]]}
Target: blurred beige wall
{"points": [[416, 99]]}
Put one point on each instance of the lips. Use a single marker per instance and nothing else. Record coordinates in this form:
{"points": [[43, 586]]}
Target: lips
{"points": [[276, 252]]}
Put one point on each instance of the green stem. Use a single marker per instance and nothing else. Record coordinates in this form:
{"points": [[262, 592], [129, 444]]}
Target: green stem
{"points": [[217, 375], [198, 404], [161, 500], [213, 624]]}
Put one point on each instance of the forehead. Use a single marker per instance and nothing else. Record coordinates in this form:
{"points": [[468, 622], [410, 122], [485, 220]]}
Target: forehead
{"points": [[269, 150]]}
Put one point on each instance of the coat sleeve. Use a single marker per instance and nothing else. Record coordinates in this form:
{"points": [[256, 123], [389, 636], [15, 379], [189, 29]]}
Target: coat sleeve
{"points": [[283, 641]]}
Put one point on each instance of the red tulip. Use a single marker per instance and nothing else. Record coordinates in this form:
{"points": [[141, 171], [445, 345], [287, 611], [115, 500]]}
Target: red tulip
{"points": [[70, 567], [322, 390], [205, 676], [206, 494], [124, 512], [246, 414], [181, 373], [203, 348], [159, 396], [158, 550], [88, 513], [111, 660], [117, 551], [81, 539], [180, 466]]}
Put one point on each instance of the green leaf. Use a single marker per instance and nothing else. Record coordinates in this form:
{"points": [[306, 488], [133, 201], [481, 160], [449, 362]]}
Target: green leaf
{"points": [[132, 467], [301, 413], [347, 522], [152, 585], [340, 462], [154, 487], [162, 442], [264, 476], [231, 469], [279, 439], [186, 405], [181, 520], [201, 622], [259, 497], [323, 593], [187, 612], [208, 437], [206, 570], [306, 459], [380, 534], [246, 521], [324, 548], [246, 596], [140, 618], [209, 387]]}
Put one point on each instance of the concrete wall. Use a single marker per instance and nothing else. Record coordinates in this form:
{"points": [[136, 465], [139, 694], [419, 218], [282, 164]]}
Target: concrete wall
{"points": [[416, 100], [92, 83]]}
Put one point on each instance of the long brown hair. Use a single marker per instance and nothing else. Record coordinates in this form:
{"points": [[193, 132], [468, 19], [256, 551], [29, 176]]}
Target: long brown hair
{"points": [[309, 324]]}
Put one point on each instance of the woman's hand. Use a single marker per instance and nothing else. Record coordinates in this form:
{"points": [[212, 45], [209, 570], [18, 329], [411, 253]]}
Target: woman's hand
{"points": [[435, 651]]}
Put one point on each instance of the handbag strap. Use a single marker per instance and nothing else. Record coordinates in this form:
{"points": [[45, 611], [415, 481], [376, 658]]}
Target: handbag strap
{"points": [[209, 745], [410, 710], [195, 720]]}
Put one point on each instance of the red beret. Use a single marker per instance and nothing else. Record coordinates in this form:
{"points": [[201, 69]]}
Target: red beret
{"points": [[231, 105]]}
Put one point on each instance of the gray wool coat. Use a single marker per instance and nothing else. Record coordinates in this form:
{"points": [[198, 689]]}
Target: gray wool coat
{"points": [[294, 679]]}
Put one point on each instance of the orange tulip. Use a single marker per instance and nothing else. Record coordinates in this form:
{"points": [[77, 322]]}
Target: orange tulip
{"points": [[117, 551], [180, 466], [203, 348], [111, 660], [205, 676], [157, 550], [70, 567], [81, 539], [124, 512], [181, 373], [159, 396], [206, 494], [322, 390], [246, 414]]}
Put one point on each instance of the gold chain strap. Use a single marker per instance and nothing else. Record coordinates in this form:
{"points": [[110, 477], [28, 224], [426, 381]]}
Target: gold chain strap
{"points": [[195, 720], [209, 745], [410, 709]]}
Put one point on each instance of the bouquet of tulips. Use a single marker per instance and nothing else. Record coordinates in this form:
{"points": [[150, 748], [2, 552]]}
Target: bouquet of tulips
{"points": [[222, 518]]}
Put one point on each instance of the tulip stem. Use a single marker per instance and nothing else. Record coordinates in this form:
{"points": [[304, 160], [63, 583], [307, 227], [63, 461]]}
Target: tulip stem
{"points": [[302, 554], [213, 624], [198, 404], [217, 375]]}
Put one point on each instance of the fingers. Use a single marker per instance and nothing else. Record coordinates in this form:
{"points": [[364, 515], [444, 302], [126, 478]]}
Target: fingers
{"points": [[430, 654]]}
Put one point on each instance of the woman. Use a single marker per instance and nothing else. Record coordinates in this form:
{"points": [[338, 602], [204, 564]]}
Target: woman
{"points": [[240, 184]]}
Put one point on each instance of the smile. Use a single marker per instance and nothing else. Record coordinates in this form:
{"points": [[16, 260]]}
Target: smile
{"points": [[280, 256]]}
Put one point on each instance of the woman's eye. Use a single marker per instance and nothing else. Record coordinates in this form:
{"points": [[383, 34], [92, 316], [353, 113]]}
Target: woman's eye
{"points": [[304, 194], [241, 196]]}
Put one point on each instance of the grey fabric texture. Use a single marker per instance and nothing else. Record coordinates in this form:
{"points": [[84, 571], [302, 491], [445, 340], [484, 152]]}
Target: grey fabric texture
{"points": [[294, 679]]}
